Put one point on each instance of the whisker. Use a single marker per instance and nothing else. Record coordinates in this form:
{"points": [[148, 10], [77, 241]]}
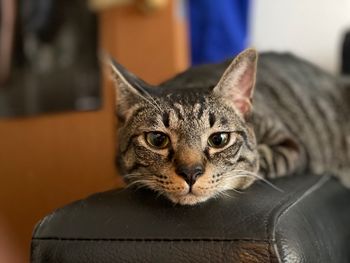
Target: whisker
{"points": [[159, 193], [227, 194], [149, 98], [136, 175], [224, 193], [243, 173], [137, 183], [237, 191]]}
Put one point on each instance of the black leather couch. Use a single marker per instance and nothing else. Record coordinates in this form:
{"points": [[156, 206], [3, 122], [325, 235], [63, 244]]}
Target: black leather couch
{"points": [[308, 222]]}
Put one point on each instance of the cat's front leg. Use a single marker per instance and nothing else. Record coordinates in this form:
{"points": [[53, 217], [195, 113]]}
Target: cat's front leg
{"points": [[279, 152]]}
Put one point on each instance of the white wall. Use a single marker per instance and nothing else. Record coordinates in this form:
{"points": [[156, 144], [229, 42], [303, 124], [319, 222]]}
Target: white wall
{"points": [[312, 29]]}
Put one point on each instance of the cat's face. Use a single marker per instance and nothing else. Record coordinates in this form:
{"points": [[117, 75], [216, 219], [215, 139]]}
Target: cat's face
{"points": [[189, 145]]}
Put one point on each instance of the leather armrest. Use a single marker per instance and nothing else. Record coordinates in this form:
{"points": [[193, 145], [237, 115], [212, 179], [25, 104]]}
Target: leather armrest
{"points": [[308, 222]]}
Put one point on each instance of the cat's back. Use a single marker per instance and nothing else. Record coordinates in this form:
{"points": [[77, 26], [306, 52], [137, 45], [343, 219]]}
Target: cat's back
{"points": [[312, 105], [202, 76], [270, 64], [287, 82]]}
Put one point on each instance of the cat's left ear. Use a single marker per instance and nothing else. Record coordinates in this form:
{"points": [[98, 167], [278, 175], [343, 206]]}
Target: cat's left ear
{"points": [[130, 89], [236, 85]]}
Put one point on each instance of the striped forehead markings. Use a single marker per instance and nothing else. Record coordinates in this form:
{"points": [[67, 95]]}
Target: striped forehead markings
{"points": [[212, 119], [198, 110], [165, 119], [178, 108]]}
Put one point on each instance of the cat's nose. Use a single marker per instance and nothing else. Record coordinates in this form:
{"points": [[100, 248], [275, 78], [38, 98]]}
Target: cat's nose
{"points": [[190, 173]]}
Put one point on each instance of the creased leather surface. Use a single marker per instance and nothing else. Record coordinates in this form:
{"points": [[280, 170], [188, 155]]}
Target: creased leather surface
{"points": [[305, 222], [315, 227]]}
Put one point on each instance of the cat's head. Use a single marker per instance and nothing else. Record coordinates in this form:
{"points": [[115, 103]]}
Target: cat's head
{"points": [[188, 144]]}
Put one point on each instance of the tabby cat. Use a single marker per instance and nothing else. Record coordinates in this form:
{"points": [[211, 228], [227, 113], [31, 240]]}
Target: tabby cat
{"points": [[206, 131]]}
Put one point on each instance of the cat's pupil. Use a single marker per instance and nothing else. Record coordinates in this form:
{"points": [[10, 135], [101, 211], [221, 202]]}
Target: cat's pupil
{"points": [[218, 140], [157, 139]]}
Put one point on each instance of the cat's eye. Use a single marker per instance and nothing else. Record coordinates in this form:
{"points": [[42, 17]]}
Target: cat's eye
{"points": [[219, 139], [157, 140]]}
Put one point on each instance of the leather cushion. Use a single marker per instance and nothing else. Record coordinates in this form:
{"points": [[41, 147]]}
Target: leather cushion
{"points": [[309, 221]]}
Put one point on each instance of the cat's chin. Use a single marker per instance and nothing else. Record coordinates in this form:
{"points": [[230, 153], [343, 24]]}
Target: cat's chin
{"points": [[188, 199]]}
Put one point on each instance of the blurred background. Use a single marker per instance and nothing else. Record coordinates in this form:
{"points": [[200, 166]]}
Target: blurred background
{"points": [[57, 126]]}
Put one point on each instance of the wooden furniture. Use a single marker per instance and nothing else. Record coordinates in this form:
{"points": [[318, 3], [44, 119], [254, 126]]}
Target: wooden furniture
{"points": [[48, 161]]}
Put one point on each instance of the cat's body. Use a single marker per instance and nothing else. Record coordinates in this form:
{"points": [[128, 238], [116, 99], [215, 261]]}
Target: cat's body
{"points": [[294, 100], [216, 141]]}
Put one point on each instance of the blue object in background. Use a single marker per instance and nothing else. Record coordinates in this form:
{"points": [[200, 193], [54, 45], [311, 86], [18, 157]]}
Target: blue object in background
{"points": [[218, 29]]}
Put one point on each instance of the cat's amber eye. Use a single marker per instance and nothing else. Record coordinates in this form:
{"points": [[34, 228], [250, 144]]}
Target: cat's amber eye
{"points": [[157, 140], [219, 139]]}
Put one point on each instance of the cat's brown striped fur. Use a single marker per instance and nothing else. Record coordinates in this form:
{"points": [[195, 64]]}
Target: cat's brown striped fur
{"points": [[298, 123]]}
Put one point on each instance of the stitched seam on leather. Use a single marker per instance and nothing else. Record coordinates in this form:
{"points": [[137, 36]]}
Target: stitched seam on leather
{"points": [[270, 218], [274, 214], [289, 205], [152, 239], [268, 223]]}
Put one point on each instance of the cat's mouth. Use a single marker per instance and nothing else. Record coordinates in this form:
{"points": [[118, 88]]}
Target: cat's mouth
{"points": [[189, 198], [192, 193]]}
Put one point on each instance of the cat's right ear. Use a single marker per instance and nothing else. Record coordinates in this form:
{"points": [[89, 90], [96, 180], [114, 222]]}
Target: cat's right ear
{"points": [[236, 85], [129, 89]]}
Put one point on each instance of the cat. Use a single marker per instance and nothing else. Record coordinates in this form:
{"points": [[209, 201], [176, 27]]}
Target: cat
{"points": [[222, 126]]}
